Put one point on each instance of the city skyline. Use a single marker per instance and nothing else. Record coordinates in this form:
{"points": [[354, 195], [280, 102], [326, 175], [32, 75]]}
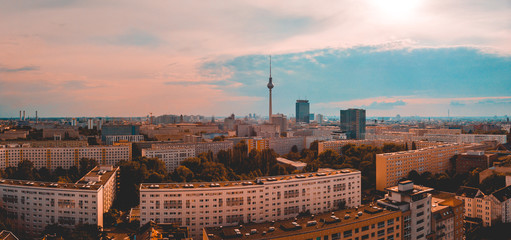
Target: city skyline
{"points": [[398, 57]]}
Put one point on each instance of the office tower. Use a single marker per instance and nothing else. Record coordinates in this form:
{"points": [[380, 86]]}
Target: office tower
{"points": [[302, 111], [353, 122], [320, 118], [90, 123], [270, 86]]}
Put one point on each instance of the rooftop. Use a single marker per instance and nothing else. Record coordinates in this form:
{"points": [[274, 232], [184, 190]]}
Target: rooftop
{"points": [[417, 189], [420, 150], [258, 181], [503, 194], [299, 225], [101, 175], [465, 191]]}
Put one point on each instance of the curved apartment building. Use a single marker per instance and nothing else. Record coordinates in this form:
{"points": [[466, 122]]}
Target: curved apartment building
{"points": [[199, 205]]}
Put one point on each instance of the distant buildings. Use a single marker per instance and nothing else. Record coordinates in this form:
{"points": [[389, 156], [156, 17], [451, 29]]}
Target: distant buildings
{"points": [[474, 159], [111, 139], [34, 205], [200, 205], [353, 122], [281, 121], [391, 167], [114, 130], [279, 145], [65, 157], [172, 157], [302, 111]]}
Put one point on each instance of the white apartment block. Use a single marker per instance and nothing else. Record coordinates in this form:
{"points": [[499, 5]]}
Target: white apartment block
{"points": [[110, 139], [200, 147], [65, 157], [36, 204], [199, 205], [172, 157], [465, 138]]}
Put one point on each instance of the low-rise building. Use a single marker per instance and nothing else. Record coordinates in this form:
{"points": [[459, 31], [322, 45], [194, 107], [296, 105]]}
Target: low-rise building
{"points": [[110, 139], [447, 219], [215, 204], [365, 222], [490, 208], [474, 159], [34, 205], [297, 165]]}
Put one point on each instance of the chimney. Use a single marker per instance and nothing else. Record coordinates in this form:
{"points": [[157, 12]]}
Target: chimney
{"points": [[23, 115], [20, 116], [36, 118]]}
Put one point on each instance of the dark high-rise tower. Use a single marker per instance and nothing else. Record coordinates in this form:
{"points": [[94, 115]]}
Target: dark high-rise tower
{"points": [[353, 122], [270, 86], [302, 111]]}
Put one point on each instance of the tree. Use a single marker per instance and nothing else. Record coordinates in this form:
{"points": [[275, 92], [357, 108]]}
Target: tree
{"points": [[493, 183], [111, 217], [414, 147], [25, 170], [183, 174], [86, 164], [294, 149], [194, 164], [329, 157]]}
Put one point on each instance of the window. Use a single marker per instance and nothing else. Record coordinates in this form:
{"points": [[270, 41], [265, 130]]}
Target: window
{"points": [[381, 224]]}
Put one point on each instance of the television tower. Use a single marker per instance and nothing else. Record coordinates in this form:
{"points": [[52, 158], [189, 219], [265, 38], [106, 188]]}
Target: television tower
{"points": [[270, 86]]}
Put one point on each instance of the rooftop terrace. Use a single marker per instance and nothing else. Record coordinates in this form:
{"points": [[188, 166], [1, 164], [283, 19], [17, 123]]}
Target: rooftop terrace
{"points": [[299, 225]]}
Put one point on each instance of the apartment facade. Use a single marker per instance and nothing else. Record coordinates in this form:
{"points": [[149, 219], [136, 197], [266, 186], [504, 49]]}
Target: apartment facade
{"points": [[391, 167], [36, 204], [491, 208], [200, 147], [415, 203], [199, 205], [110, 139], [447, 219], [172, 157], [65, 157]]}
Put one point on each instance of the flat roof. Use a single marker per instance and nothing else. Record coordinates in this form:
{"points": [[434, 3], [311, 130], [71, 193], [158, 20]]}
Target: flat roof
{"points": [[292, 163], [258, 181], [81, 184], [284, 228], [417, 189]]}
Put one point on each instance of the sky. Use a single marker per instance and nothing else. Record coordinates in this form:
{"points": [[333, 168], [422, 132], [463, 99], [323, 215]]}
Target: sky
{"points": [[70, 58]]}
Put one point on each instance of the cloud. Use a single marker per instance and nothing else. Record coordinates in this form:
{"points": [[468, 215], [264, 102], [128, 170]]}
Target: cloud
{"points": [[21, 69], [384, 105], [457, 104]]}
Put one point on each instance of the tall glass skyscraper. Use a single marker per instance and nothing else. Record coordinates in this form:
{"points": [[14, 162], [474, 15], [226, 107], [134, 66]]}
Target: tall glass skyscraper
{"points": [[353, 122], [302, 111]]}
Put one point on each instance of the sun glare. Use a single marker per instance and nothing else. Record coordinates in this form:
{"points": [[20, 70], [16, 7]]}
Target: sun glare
{"points": [[396, 9]]}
